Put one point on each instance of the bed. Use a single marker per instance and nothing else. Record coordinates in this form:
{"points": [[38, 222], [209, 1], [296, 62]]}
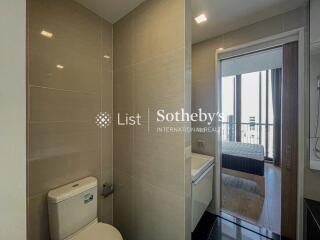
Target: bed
{"points": [[245, 161]]}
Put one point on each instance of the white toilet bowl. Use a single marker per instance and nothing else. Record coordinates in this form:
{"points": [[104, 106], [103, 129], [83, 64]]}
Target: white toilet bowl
{"points": [[98, 231], [73, 212]]}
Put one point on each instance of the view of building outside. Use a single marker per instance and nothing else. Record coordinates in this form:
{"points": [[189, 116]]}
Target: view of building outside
{"points": [[254, 116]]}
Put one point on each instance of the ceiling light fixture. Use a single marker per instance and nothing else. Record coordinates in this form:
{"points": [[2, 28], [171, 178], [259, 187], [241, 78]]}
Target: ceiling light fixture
{"points": [[107, 56], [201, 18], [46, 34], [60, 66], [220, 49]]}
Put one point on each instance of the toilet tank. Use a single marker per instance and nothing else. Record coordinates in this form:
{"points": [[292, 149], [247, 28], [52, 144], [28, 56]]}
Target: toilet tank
{"points": [[72, 207]]}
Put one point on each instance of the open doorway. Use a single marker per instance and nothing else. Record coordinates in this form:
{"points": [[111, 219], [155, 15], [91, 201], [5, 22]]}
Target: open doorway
{"points": [[251, 139], [259, 137]]}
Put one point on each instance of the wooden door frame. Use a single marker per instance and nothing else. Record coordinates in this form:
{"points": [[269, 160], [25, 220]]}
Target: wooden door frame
{"points": [[289, 138], [254, 46]]}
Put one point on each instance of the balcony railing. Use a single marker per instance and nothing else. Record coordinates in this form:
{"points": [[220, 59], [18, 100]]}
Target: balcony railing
{"points": [[252, 133]]}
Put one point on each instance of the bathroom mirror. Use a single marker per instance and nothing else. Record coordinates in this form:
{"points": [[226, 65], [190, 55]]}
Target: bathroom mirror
{"points": [[315, 84]]}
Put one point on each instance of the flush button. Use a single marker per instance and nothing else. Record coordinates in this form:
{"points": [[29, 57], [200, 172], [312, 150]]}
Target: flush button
{"points": [[87, 198]]}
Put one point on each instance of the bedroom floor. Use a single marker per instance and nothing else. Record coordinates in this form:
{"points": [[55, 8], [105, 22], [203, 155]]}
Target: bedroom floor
{"points": [[241, 198]]}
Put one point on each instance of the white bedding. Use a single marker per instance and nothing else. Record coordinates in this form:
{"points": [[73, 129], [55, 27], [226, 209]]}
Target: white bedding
{"points": [[239, 149]]}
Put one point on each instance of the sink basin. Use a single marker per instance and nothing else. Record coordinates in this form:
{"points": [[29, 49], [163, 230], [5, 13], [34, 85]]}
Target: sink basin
{"points": [[199, 164]]}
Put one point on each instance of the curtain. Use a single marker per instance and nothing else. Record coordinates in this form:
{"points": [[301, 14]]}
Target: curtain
{"points": [[276, 83]]}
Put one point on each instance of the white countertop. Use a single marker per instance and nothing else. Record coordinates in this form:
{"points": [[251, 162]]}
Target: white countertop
{"points": [[199, 164]]}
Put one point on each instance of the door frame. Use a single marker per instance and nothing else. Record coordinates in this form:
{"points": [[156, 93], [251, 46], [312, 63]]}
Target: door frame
{"points": [[254, 46]]}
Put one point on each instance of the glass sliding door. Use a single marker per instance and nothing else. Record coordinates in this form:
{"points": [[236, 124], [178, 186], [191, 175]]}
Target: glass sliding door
{"points": [[248, 109]]}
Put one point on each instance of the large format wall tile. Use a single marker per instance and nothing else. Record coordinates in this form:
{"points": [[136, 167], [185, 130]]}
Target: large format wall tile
{"points": [[38, 226], [155, 26], [81, 68], [157, 213], [57, 105], [60, 153], [52, 172], [123, 42], [65, 19], [123, 150], [161, 80], [64, 142], [150, 172], [156, 157], [124, 90]]}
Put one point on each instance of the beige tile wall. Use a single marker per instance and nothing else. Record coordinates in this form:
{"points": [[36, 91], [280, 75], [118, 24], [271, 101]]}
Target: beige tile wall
{"points": [[64, 144], [204, 86], [152, 52]]}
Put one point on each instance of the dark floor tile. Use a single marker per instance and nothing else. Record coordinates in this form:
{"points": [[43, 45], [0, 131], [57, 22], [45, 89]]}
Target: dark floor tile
{"points": [[204, 227], [212, 227], [249, 226], [225, 230]]}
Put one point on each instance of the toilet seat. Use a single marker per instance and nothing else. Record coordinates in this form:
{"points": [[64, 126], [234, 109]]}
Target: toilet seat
{"points": [[98, 231]]}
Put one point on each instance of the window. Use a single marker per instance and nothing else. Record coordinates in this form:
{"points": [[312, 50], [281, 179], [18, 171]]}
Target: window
{"points": [[249, 100]]}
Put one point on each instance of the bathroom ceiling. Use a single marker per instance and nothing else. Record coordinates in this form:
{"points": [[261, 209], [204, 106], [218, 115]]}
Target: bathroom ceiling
{"points": [[228, 15], [223, 16], [111, 10]]}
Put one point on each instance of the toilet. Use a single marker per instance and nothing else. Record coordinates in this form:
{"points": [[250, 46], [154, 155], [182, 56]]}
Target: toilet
{"points": [[73, 212]]}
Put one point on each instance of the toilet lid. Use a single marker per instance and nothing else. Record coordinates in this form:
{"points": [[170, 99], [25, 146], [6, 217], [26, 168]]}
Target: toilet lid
{"points": [[98, 231]]}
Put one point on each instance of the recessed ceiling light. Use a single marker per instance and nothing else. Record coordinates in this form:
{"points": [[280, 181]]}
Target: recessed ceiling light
{"points": [[46, 34], [220, 49], [107, 56], [201, 18], [60, 66]]}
